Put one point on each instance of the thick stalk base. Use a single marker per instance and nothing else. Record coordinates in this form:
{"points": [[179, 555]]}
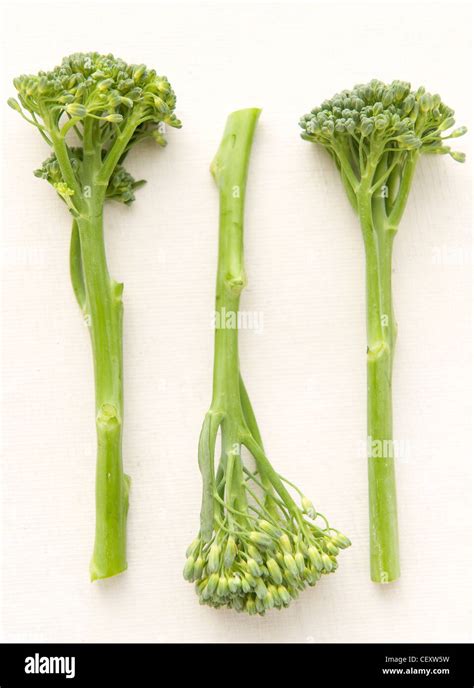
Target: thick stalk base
{"points": [[100, 299], [384, 551], [112, 488]]}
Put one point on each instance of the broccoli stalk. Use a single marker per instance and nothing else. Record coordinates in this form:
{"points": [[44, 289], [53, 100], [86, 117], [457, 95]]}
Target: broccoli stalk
{"points": [[375, 134], [255, 549], [109, 106]]}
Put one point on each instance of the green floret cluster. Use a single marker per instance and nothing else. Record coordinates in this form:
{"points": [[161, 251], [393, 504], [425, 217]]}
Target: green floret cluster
{"points": [[109, 106], [121, 186], [264, 567], [100, 86], [361, 124]]}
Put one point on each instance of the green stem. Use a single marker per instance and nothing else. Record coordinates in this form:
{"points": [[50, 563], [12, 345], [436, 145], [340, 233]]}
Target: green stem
{"points": [[406, 176], [374, 319], [75, 267], [62, 155], [114, 155], [381, 332], [103, 309], [229, 394], [207, 443], [229, 169]]}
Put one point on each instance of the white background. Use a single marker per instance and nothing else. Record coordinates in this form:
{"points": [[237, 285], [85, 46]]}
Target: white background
{"points": [[305, 371]]}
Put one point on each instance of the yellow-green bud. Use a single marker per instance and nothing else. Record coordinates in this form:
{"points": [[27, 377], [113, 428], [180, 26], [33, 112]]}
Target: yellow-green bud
{"points": [[308, 507], [274, 571], [299, 560], [234, 584], [425, 102], [188, 570], [285, 543], [453, 135], [253, 567], [213, 582], [114, 100], [272, 589], [114, 117], [200, 585], [245, 585], [261, 589], [198, 567], [268, 601], [104, 85], [230, 552], [341, 540], [222, 587], [159, 138], [290, 564], [193, 547], [63, 189], [160, 104], [204, 590], [269, 528], [255, 554], [458, 156], [250, 606], [315, 557], [447, 124], [139, 72], [250, 579], [14, 104], [275, 596], [284, 595], [260, 539], [128, 102], [315, 573], [213, 559], [76, 110], [327, 563], [302, 547], [237, 603], [294, 592]]}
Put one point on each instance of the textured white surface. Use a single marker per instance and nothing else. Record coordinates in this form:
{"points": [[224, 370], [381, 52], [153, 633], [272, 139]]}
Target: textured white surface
{"points": [[305, 371]]}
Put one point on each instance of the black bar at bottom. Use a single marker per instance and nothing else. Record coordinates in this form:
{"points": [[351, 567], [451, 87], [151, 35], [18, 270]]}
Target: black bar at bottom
{"points": [[302, 665]]}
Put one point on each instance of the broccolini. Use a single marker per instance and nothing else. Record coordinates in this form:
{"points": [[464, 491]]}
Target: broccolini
{"points": [[255, 550], [375, 133], [91, 110]]}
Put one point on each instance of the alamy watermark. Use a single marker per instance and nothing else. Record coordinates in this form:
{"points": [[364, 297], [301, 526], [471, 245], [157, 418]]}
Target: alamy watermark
{"points": [[38, 664], [14, 256], [237, 320], [448, 254], [385, 449]]}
